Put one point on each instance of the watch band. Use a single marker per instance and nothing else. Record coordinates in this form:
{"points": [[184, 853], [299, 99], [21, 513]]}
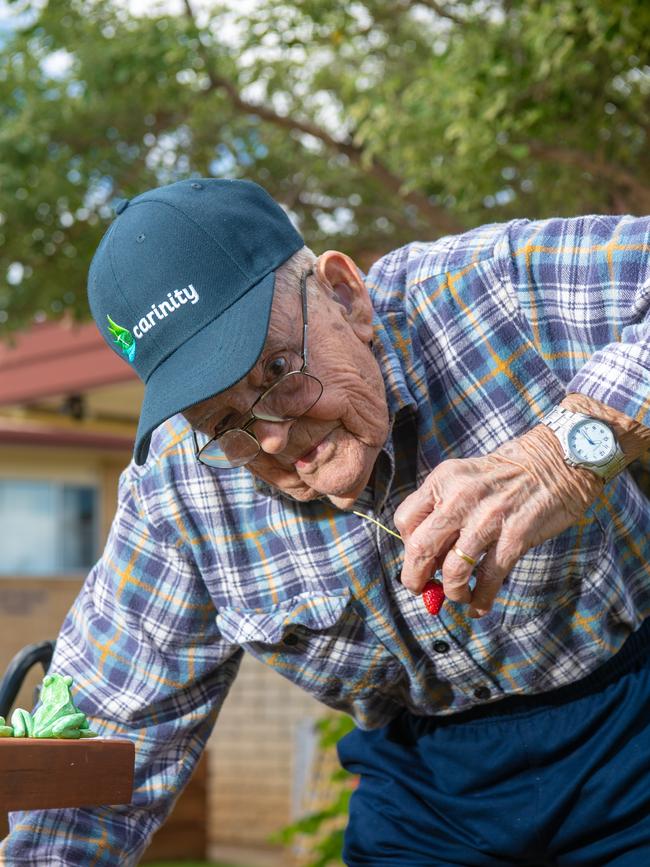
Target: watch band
{"points": [[615, 466], [559, 419]]}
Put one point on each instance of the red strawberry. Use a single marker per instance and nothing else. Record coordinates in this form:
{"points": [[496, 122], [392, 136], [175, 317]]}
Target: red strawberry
{"points": [[433, 596]]}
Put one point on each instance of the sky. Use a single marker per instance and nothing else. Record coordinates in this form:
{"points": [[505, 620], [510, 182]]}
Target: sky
{"points": [[8, 14], [58, 62]]}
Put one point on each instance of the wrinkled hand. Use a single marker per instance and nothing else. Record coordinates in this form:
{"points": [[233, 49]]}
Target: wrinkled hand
{"points": [[502, 504]]}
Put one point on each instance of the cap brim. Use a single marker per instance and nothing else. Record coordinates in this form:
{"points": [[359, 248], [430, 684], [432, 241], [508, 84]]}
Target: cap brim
{"points": [[215, 358]]}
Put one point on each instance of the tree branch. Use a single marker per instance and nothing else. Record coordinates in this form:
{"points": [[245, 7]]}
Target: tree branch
{"points": [[597, 166], [440, 10], [438, 218]]}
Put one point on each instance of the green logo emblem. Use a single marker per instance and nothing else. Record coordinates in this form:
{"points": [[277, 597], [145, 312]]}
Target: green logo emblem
{"points": [[123, 338]]}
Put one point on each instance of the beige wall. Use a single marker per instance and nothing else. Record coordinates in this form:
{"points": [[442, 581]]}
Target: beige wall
{"points": [[32, 609]]}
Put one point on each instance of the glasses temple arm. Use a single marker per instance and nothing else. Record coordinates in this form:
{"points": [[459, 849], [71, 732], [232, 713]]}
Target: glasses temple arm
{"points": [[303, 294]]}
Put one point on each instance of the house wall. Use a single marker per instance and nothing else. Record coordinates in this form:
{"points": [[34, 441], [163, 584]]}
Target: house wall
{"points": [[259, 761], [257, 765], [32, 609]]}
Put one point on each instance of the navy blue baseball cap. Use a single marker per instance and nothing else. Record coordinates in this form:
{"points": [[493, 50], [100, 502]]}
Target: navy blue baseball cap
{"points": [[181, 288]]}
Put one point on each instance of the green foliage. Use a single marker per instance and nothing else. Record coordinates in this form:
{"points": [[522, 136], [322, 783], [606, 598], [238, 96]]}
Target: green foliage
{"points": [[375, 123], [323, 829]]}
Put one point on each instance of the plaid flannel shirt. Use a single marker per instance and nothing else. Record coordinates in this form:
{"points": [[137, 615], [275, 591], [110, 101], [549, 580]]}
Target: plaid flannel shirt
{"points": [[477, 337]]}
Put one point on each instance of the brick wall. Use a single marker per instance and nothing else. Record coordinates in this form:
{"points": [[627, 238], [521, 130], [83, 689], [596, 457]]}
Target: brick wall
{"points": [[259, 757]]}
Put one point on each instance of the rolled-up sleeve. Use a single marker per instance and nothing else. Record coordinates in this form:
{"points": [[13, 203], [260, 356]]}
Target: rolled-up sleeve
{"points": [[584, 287], [149, 665], [618, 374]]}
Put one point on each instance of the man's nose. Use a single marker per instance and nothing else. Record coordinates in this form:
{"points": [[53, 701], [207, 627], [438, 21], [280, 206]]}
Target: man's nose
{"points": [[272, 435]]}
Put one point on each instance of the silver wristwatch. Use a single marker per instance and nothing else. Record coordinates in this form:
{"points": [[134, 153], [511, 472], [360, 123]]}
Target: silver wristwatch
{"points": [[586, 441]]}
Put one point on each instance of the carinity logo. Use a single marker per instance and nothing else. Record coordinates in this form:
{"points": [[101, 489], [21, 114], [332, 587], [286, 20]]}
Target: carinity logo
{"points": [[125, 339], [162, 310]]}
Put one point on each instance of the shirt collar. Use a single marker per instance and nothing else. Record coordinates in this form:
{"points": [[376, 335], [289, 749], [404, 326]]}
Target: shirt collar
{"points": [[398, 395], [402, 409]]}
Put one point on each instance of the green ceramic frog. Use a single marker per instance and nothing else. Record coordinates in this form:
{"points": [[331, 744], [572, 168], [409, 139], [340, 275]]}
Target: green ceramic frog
{"points": [[56, 717]]}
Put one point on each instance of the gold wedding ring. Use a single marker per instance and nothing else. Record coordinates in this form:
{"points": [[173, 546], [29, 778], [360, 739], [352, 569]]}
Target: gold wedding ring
{"points": [[465, 557]]}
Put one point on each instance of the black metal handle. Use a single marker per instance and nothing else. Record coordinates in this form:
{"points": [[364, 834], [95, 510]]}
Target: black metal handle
{"points": [[18, 668]]}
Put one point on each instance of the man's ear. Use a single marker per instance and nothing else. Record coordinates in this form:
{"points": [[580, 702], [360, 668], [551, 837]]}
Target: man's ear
{"points": [[339, 273]]}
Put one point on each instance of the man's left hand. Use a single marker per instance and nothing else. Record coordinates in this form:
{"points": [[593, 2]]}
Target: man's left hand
{"points": [[499, 505]]}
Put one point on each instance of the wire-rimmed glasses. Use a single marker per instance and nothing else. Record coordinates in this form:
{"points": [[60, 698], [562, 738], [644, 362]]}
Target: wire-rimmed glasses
{"points": [[291, 396]]}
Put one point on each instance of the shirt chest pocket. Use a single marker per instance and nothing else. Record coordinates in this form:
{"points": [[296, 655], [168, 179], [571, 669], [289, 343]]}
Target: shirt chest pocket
{"points": [[322, 643]]}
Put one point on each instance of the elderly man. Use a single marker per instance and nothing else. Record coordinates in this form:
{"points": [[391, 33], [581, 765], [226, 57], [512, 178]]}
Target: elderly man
{"points": [[482, 396]]}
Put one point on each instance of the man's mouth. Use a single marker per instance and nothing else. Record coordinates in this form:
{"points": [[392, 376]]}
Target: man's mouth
{"points": [[310, 455]]}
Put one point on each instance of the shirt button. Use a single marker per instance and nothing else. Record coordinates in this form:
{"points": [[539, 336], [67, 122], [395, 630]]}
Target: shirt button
{"points": [[291, 638], [440, 646], [482, 693]]}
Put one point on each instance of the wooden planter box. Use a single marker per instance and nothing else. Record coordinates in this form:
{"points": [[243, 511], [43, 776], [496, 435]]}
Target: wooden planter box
{"points": [[42, 774], [39, 773]]}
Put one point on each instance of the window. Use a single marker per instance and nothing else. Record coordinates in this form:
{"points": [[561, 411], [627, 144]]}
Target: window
{"points": [[47, 527]]}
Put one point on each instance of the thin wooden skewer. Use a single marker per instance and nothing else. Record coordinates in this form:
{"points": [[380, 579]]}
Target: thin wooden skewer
{"points": [[432, 604], [375, 521]]}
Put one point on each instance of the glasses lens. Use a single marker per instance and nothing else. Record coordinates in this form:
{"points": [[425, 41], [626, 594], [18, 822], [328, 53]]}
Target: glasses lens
{"points": [[290, 398], [234, 449]]}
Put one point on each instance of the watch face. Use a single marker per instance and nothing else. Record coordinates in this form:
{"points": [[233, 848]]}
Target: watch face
{"points": [[592, 441]]}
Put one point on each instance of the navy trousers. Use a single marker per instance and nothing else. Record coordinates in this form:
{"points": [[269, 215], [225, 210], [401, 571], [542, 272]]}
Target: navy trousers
{"points": [[561, 778]]}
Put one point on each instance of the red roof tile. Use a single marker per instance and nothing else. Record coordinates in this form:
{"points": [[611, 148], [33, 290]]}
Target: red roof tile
{"points": [[57, 358]]}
